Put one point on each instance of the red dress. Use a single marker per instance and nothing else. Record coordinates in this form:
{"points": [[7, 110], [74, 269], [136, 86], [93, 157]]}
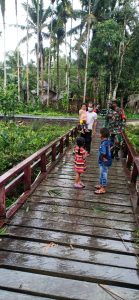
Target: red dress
{"points": [[80, 161]]}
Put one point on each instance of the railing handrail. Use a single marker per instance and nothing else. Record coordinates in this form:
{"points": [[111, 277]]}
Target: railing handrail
{"points": [[23, 171], [133, 152], [132, 159], [27, 161]]}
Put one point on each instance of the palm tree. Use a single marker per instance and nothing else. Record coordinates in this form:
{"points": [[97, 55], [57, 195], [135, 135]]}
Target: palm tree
{"points": [[37, 17], [2, 4]]}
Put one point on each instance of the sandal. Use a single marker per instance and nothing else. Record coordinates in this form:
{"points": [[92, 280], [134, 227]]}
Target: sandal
{"points": [[82, 184], [97, 186], [78, 186], [100, 191]]}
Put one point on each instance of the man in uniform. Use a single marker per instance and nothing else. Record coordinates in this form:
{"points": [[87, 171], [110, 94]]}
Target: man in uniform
{"points": [[115, 121]]}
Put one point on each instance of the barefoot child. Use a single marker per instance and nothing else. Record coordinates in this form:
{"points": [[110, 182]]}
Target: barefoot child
{"points": [[80, 162], [104, 160]]}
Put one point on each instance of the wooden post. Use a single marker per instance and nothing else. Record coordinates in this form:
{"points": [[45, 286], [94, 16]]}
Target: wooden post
{"points": [[134, 174], [67, 140], [2, 203], [61, 146], [129, 160], [43, 163], [27, 178], [54, 152]]}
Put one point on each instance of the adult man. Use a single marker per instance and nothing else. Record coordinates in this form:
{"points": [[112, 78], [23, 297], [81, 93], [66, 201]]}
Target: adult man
{"points": [[115, 121], [91, 125]]}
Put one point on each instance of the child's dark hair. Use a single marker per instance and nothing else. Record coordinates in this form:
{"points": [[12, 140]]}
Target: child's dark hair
{"points": [[104, 132], [80, 143]]}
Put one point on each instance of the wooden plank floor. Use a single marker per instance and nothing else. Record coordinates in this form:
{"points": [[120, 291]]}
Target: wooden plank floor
{"points": [[72, 244]]}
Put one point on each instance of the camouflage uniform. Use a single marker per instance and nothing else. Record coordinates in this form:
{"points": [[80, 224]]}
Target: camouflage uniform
{"points": [[115, 121]]}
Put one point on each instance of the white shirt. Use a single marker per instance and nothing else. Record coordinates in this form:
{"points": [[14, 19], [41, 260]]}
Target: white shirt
{"points": [[91, 117]]}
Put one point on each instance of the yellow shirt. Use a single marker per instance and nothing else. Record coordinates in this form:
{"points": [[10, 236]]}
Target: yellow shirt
{"points": [[82, 115]]}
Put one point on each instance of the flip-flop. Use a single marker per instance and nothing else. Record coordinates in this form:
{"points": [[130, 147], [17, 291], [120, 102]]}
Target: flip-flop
{"points": [[99, 192], [98, 187]]}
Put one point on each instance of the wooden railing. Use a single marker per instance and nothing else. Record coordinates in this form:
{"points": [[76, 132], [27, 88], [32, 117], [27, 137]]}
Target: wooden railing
{"points": [[44, 159], [132, 161]]}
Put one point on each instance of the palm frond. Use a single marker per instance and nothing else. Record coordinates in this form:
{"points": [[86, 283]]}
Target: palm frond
{"points": [[46, 15], [22, 27], [24, 39], [75, 30]]}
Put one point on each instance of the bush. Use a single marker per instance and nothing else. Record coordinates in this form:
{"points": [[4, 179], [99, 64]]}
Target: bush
{"points": [[18, 141]]}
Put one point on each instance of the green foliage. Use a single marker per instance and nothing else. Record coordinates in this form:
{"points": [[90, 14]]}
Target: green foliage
{"points": [[18, 141], [64, 102], [8, 100], [130, 115], [133, 135]]}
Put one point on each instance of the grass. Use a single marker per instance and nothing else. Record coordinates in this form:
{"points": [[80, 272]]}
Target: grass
{"points": [[130, 115]]}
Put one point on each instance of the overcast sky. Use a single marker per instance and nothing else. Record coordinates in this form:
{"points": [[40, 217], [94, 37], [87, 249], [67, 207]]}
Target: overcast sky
{"points": [[11, 33]]}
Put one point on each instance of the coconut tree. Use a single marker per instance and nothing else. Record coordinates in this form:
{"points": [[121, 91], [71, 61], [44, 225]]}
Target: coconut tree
{"points": [[37, 22], [2, 4]]}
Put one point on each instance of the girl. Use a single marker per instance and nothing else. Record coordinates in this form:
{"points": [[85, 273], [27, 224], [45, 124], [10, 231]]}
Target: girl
{"points": [[80, 162]]}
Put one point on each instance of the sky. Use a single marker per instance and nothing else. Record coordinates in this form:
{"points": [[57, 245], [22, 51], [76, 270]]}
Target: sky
{"points": [[11, 32]]}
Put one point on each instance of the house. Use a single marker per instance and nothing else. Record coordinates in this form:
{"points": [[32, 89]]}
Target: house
{"points": [[43, 93], [133, 103]]}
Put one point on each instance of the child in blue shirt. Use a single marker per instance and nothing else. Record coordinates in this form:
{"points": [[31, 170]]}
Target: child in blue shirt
{"points": [[104, 160]]}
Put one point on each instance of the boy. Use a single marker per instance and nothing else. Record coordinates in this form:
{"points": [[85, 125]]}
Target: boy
{"points": [[104, 160]]}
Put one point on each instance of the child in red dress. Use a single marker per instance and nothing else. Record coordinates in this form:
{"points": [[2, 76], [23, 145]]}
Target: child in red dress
{"points": [[80, 162]]}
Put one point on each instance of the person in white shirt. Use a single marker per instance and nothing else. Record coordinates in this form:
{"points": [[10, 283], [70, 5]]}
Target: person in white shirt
{"points": [[91, 124]]}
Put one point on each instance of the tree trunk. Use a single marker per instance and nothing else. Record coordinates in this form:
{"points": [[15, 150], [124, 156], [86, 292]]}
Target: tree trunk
{"points": [[27, 68], [5, 72], [38, 46], [110, 88], [69, 73], [87, 52], [49, 63], [58, 75], [18, 53], [66, 60], [120, 65]]}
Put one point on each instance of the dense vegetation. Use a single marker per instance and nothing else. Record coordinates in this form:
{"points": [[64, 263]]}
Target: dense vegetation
{"points": [[105, 44], [18, 141], [133, 135]]}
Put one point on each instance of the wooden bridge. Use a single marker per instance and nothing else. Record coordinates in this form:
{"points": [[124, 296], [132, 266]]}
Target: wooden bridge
{"points": [[65, 243]]}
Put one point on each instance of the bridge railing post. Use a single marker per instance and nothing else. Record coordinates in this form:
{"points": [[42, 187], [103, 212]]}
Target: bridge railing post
{"points": [[27, 178], [43, 163], [54, 152], [61, 146], [129, 160], [67, 140], [2, 202]]}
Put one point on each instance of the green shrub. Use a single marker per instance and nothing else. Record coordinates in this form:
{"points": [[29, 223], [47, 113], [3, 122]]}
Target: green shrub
{"points": [[18, 141]]}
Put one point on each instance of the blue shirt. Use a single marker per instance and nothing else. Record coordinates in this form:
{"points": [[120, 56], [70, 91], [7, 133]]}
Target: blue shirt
{"points": [[104, 150]]}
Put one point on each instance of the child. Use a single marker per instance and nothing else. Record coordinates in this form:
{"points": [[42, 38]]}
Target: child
{"points": [[80, 162], [83, 118], [104, 160]]}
